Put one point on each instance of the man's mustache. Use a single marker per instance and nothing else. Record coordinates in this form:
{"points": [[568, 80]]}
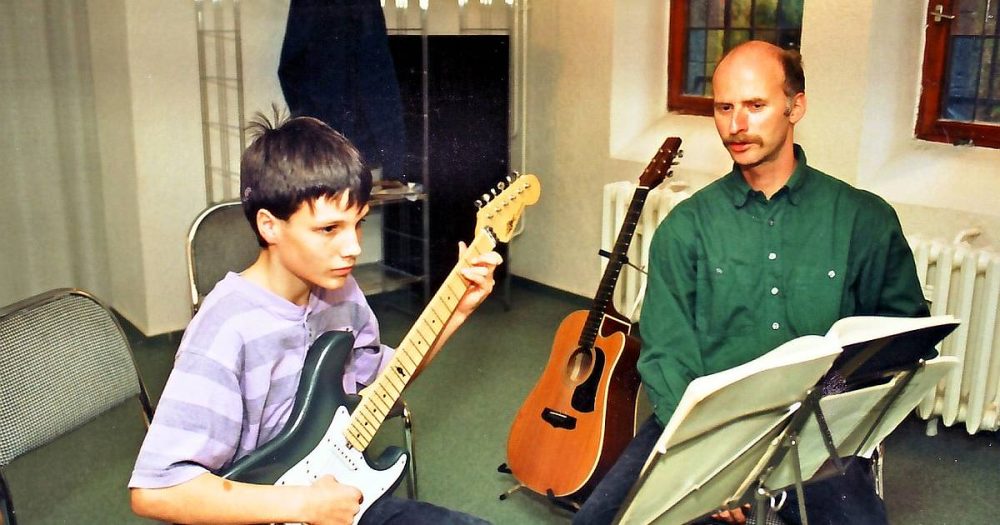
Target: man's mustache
{"points": [[743, 139]]}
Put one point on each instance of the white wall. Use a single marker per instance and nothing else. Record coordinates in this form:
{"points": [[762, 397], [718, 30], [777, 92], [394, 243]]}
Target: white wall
{"points": [[149, 130], [148, 110], [597, 93]]}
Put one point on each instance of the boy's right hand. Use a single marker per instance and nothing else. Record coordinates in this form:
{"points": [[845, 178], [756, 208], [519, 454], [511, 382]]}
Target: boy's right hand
{"points": [[331, 502]]}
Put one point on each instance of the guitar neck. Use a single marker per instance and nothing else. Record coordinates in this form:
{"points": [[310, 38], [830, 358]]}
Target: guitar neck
{"points": [[384, 392], [602, 300]]}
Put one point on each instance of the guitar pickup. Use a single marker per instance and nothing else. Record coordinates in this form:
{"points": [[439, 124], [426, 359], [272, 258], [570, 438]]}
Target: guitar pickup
{"points": [[558, 419]]}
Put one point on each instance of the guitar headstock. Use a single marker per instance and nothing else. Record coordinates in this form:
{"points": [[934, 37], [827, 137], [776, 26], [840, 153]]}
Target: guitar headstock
{"points": [[659, 168], [501, 209]]}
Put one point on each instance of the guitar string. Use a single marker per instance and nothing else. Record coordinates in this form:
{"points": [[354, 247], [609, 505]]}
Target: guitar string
{"points": [[365, 416]]}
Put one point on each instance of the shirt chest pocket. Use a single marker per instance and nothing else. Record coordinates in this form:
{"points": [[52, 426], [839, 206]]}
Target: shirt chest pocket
{"points": [[723, 302], [815, 298]]}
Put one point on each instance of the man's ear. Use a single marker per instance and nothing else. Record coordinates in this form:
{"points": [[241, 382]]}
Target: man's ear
{"points": [[269, 226], [798, 108]]}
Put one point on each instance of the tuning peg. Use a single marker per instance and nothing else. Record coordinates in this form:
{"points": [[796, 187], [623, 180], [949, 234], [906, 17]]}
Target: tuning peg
{"points": [[680, 153], [501, 185], [485, 197], [670, 173], [479, 204], [511, 179]]}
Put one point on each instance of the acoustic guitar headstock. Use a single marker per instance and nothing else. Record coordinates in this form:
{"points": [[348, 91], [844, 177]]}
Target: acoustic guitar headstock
{"points": [[659, 168]]}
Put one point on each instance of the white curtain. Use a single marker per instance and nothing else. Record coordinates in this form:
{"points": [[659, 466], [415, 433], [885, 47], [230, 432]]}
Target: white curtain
{"points": [[51, 207]]}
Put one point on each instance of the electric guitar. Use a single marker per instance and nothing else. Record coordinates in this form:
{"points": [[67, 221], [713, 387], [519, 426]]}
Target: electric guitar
{"points": [[581, 413], [328, 431]]}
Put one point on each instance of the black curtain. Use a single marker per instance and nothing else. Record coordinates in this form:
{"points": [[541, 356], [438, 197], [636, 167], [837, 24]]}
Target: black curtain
{"points": [[468, 150], [336, 66]]}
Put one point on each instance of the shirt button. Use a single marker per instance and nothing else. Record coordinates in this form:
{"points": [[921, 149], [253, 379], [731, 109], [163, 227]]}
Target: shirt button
{"points": [[770, 222], [774, 291], [775, 326], [772, 256]]}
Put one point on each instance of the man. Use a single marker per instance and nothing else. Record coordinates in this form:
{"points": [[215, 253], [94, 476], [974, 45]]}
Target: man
{"points": [[305, 192], [771, 251]]}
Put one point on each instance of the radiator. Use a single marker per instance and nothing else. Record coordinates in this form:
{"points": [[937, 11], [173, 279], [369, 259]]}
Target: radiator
{"points": [[963, 282], [631, 285]]}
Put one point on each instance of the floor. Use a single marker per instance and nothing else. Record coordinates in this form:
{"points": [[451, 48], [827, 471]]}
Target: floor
{"points": [[463, 407]]}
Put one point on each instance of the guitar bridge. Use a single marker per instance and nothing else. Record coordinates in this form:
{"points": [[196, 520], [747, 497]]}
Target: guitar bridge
{"points": [[558, 419]]}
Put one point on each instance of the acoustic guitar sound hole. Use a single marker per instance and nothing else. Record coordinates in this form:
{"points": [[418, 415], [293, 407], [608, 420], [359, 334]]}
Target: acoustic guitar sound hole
{"points": [[581, 361], [585, 393]]}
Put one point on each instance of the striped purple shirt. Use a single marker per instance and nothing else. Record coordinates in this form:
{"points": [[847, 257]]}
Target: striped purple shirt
{"points": [[236, 372]]}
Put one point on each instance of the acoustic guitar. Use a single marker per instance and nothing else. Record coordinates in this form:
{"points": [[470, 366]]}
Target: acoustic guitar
{"points": [[329, 431], [581, 414]]}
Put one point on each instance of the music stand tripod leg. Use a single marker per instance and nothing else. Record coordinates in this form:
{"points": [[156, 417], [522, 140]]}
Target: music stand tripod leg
{"points": [[761, 495], [761, 505], [797, 467]]}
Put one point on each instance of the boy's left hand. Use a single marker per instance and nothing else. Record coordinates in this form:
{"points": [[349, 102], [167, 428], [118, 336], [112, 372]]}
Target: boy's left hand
{"points": [[479, 275]]}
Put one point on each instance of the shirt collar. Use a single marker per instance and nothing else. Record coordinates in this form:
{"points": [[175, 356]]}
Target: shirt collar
{"points": [[740, 192], [270, 301]]}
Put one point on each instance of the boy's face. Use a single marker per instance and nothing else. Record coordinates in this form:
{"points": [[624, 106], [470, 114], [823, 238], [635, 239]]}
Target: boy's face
{"points": [[320, 243]]}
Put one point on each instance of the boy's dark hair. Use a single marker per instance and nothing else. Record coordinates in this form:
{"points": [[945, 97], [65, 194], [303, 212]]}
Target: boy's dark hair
{"points": [[298, 161]]}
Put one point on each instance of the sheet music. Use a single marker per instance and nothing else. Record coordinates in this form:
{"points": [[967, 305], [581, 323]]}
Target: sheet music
{"points": [[729, 426]]}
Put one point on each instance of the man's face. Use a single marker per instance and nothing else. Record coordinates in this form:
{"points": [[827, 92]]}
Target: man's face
{"points": [[750, 108], [320, 243]]}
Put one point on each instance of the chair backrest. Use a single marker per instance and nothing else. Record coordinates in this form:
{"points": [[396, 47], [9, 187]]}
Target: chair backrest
{"points": [[64, 360], [219, 240]]}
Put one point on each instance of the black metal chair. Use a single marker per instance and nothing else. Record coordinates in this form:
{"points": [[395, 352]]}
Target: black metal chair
{"points": [[66, 369], [219, 240]]}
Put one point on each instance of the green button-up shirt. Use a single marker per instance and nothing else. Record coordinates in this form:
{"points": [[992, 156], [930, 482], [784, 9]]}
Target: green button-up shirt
{"points": [[733, 274]]}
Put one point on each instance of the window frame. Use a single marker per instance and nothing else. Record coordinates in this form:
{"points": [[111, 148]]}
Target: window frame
{"points": [[677, 50], [677, 101], [929, 125]]}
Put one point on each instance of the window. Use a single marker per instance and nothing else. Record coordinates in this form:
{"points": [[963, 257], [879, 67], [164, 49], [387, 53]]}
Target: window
{"points": [[701, 31], [960, 97]]}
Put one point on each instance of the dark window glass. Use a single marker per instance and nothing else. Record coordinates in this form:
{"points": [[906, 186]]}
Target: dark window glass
{"points": [[960, 97], [703, 30]]}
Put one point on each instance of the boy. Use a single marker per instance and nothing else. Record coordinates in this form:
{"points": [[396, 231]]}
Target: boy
{"points": [[304, 189]]}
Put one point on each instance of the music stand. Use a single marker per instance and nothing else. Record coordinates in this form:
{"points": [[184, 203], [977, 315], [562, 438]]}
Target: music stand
{"points": [[748, 432]]}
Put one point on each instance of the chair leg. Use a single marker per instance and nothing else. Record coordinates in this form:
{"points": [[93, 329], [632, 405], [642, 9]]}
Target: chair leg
{"points": [[877, 466], [411, 478], [6, 503]]}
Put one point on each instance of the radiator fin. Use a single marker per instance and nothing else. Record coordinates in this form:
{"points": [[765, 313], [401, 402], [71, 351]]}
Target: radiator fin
{"points": [[964, 282], [627, 297]]}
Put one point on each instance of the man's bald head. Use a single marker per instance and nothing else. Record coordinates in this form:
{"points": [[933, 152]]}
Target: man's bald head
{"points": [[789, 60]]}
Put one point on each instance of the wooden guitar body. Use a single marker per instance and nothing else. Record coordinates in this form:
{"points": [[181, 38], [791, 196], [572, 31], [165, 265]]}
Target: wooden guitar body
{"points": [[581, 413]]}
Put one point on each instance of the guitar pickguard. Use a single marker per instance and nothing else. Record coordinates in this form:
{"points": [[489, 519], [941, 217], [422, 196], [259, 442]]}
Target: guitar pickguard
{"points": [[585, 394], [334, 456]]}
